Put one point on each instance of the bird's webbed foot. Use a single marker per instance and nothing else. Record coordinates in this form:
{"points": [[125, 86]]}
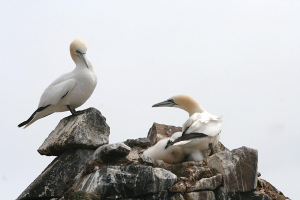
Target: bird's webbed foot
{"points": [[74, 112], [211, 149]]}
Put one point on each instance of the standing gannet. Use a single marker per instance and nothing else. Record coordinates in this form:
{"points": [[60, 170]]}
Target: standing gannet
{"points": [[171, 155], [201, 131], [70, 90]]}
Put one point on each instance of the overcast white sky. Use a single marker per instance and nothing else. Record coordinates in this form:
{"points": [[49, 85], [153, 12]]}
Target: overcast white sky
{"points": [[239, 59]]}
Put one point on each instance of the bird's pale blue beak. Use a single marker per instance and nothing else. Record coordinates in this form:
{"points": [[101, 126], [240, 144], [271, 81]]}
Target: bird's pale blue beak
{"points": [[167, 103], [82, 56]]}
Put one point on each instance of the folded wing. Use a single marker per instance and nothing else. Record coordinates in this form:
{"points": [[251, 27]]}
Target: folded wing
{"points": [[54, 93]]}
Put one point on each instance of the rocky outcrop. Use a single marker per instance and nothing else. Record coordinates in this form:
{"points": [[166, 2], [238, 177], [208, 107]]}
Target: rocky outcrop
{"points": [[86, 131], [74, 140], [58, 176], [126, 181], [120, 171], [239, 168], [263, 191]]}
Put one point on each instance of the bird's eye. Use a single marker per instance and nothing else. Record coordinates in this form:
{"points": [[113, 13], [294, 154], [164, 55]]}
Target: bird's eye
{"points": [[171, 100], [77, 51]]}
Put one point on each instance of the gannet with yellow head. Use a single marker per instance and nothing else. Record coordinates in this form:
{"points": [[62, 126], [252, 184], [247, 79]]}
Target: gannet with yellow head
{"points": [[201, 131], [70, 90]]}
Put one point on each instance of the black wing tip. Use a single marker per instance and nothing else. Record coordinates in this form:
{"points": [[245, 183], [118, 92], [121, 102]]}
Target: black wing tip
{"points": [[31, 117]]}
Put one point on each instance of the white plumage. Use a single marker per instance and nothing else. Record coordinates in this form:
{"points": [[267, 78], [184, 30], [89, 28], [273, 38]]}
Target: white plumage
{"points": [[70, 90], [173, 154]]}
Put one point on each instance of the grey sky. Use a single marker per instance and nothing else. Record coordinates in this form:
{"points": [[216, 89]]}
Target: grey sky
{"points": [[239, 59]]}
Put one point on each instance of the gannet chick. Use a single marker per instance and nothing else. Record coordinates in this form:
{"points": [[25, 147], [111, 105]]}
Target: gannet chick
{"points": [[173, 154], [191, 154], [70, 90], [201, 131]]}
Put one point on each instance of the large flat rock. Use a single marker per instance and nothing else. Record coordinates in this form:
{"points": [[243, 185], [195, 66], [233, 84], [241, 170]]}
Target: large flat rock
{"points": [[86, 131], [239, 168], [126, 181], [57, 177]]}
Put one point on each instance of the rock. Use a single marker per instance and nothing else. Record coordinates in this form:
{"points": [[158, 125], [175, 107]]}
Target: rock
{"points": [[206, 183], [161, 131], [145, 160], [112, 151], [80, 195], [140, 142], [127, 181], [221, 195], [239, 168], [203, 195], [161, 164], [135, 154], [192, 170], [58, 176], [269, 189], [164, 195], [178, 187], [177, 197], [86, 131], [218, 148]]}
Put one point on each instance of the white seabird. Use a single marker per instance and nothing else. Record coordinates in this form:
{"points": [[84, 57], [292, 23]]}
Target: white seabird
{"points": [[172, 154], [70, 90], [201, 131]]}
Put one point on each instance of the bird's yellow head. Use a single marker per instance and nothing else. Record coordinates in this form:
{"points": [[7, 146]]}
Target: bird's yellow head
{"points": [[184, 102], [78, 50]]}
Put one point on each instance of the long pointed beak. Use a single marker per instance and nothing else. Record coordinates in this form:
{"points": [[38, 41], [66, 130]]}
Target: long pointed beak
{"points": [[82, 56], [167, 103]]}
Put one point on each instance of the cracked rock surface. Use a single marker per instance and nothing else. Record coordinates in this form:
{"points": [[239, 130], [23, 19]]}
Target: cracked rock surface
{"points": [[85, 131]]}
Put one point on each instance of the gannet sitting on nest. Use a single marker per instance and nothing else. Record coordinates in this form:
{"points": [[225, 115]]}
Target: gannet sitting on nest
{"points": [[173, 154], [201, 131], [70, 90]]}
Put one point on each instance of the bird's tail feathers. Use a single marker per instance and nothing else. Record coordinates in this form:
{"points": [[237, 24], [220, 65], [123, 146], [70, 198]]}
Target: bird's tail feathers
{"points": [[34, 117]]}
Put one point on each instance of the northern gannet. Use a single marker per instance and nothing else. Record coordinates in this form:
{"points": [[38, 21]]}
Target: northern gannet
{"points": [[70, 90], [201, 131], [173, 154]]}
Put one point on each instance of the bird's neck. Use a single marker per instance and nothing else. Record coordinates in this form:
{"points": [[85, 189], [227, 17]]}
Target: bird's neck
{"points": [[195, 108], [80, 64]]}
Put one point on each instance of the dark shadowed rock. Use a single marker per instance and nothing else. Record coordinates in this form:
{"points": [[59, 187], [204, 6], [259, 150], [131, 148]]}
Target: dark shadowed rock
{"points": [[55, 179], [140, 142], [164, 195], [206, 183], [239, 168], [252, 195], [161, 131], [81, 195], [127, 181], [201, 195], [146, 160], [112, 151], [86, 131]]}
